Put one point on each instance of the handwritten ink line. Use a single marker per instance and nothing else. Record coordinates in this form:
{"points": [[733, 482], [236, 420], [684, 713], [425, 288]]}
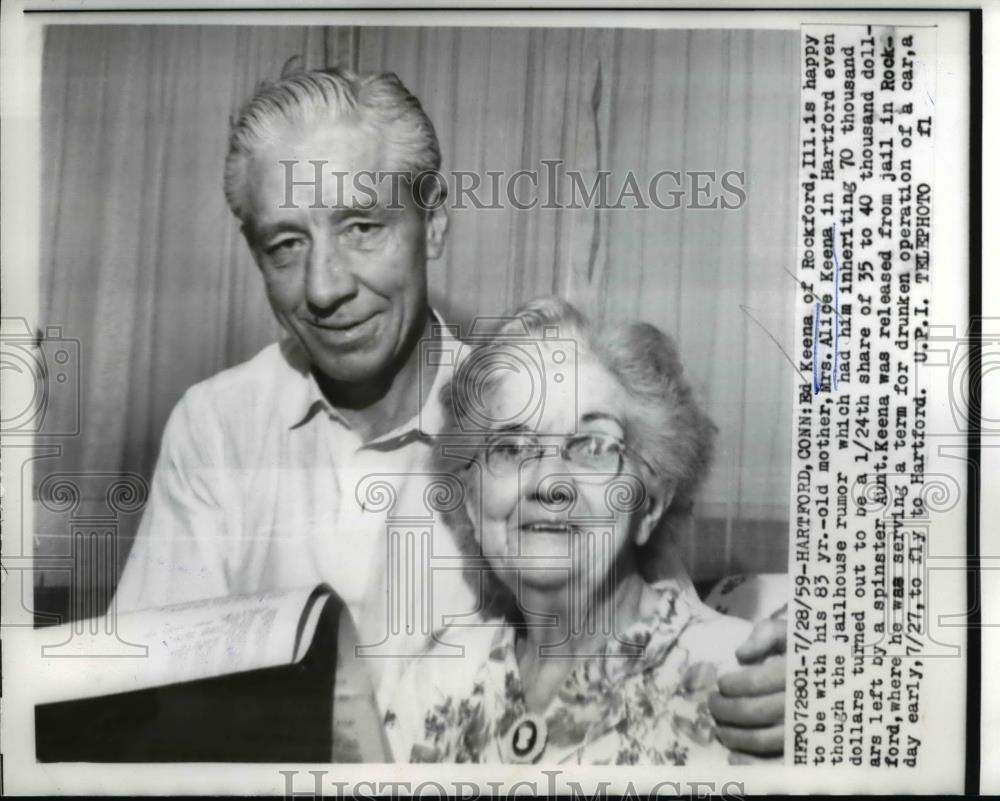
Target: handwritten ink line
{"points": [[816, 378], [836, 305], [746, 310]]}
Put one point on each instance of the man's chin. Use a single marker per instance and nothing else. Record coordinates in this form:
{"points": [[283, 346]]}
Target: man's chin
{"points": [[355, 368], [348, 356]]}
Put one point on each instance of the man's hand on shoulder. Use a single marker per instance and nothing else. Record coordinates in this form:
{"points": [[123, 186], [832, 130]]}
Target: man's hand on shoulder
{"points": [[750, 705]]}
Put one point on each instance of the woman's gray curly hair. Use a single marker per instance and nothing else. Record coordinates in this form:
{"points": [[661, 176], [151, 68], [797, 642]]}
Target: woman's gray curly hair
{"points": [[663, 422]]}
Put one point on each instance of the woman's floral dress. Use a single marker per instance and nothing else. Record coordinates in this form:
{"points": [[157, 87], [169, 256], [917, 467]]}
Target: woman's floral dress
{"points": [[626, 705]]}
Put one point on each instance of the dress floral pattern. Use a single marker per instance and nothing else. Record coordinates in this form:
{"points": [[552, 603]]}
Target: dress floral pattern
{"points": [[626, 705]]}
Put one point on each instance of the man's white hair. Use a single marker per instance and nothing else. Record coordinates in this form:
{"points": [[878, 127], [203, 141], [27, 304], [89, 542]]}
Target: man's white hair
{"points": [[377, 102]]}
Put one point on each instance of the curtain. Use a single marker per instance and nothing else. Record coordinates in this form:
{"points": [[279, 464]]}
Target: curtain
{"points": [[144, 265]]}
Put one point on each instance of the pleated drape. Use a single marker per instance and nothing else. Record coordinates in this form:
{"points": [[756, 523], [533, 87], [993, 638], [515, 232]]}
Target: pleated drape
{"points": [[143, 263]]}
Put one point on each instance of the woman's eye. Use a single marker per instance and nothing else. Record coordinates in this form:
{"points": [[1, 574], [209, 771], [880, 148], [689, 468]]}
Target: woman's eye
{"points": [[596, 446], [514, 448], [510, 449]]}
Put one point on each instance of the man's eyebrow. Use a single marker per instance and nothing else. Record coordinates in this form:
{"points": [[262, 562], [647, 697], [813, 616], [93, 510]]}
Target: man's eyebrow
{"points": [[358, 207], [268, 230]]}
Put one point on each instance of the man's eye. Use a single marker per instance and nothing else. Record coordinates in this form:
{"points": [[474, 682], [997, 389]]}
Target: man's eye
{"points": [[363, 233], [285, 251]]}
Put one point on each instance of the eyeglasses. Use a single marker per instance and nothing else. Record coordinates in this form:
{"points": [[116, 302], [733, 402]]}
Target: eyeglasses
{"points": [[596, 455]]}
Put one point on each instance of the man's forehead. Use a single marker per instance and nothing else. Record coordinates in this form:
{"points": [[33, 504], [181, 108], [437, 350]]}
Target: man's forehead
{"points": [[337, 163], [348, 141]]}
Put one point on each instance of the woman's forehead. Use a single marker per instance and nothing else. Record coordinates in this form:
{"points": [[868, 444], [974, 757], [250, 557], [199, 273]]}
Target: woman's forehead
{"points": [[584, 392]]}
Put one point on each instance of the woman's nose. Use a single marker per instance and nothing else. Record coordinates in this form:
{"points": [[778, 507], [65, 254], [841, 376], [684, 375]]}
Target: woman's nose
{"points": [[547, 483]]}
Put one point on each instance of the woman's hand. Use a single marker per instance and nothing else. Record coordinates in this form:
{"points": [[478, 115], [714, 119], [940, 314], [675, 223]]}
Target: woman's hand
{"points": [[749, 707]]}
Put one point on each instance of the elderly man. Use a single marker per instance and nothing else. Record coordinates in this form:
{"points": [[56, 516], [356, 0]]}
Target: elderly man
{"points": [[261, 478]]}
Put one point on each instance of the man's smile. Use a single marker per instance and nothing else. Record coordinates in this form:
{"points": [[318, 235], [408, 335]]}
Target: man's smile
{"points": [[345, 332]]}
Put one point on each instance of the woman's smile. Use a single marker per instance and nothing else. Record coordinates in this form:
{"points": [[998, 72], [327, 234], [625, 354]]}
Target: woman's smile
{"points": [[546, 527]]}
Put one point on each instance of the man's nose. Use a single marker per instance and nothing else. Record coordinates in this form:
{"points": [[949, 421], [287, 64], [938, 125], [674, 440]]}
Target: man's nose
{"points": [[329, 281]]}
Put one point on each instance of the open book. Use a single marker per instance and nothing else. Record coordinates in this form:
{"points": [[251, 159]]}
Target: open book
{"points": [[270, 677]]}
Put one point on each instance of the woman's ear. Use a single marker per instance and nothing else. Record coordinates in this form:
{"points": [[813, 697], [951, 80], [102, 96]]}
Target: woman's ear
{"points": [[470, 500], [651, 513]]}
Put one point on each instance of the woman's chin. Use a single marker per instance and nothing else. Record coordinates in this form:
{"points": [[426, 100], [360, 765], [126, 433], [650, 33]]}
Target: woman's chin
{"points": [[535, 568], [543, 577], [549, 552], [545, 561]]}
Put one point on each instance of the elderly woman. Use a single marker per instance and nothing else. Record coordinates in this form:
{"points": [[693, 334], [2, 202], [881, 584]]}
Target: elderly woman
{"points": [[572, 472]]}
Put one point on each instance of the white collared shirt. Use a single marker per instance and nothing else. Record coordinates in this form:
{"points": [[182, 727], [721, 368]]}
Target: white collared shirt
{"points": [[261, 485]]}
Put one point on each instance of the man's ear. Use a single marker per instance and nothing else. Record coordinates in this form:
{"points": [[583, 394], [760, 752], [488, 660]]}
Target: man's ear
{"points": [[436, 231], [248, 238], [651, 514]]}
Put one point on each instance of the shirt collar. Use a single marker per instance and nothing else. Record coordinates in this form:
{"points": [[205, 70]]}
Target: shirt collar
{"points": [[307, 399]]}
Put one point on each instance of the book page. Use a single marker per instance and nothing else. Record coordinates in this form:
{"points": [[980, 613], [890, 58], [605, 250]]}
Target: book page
{"points": [[358, 733], [185, 642]]}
